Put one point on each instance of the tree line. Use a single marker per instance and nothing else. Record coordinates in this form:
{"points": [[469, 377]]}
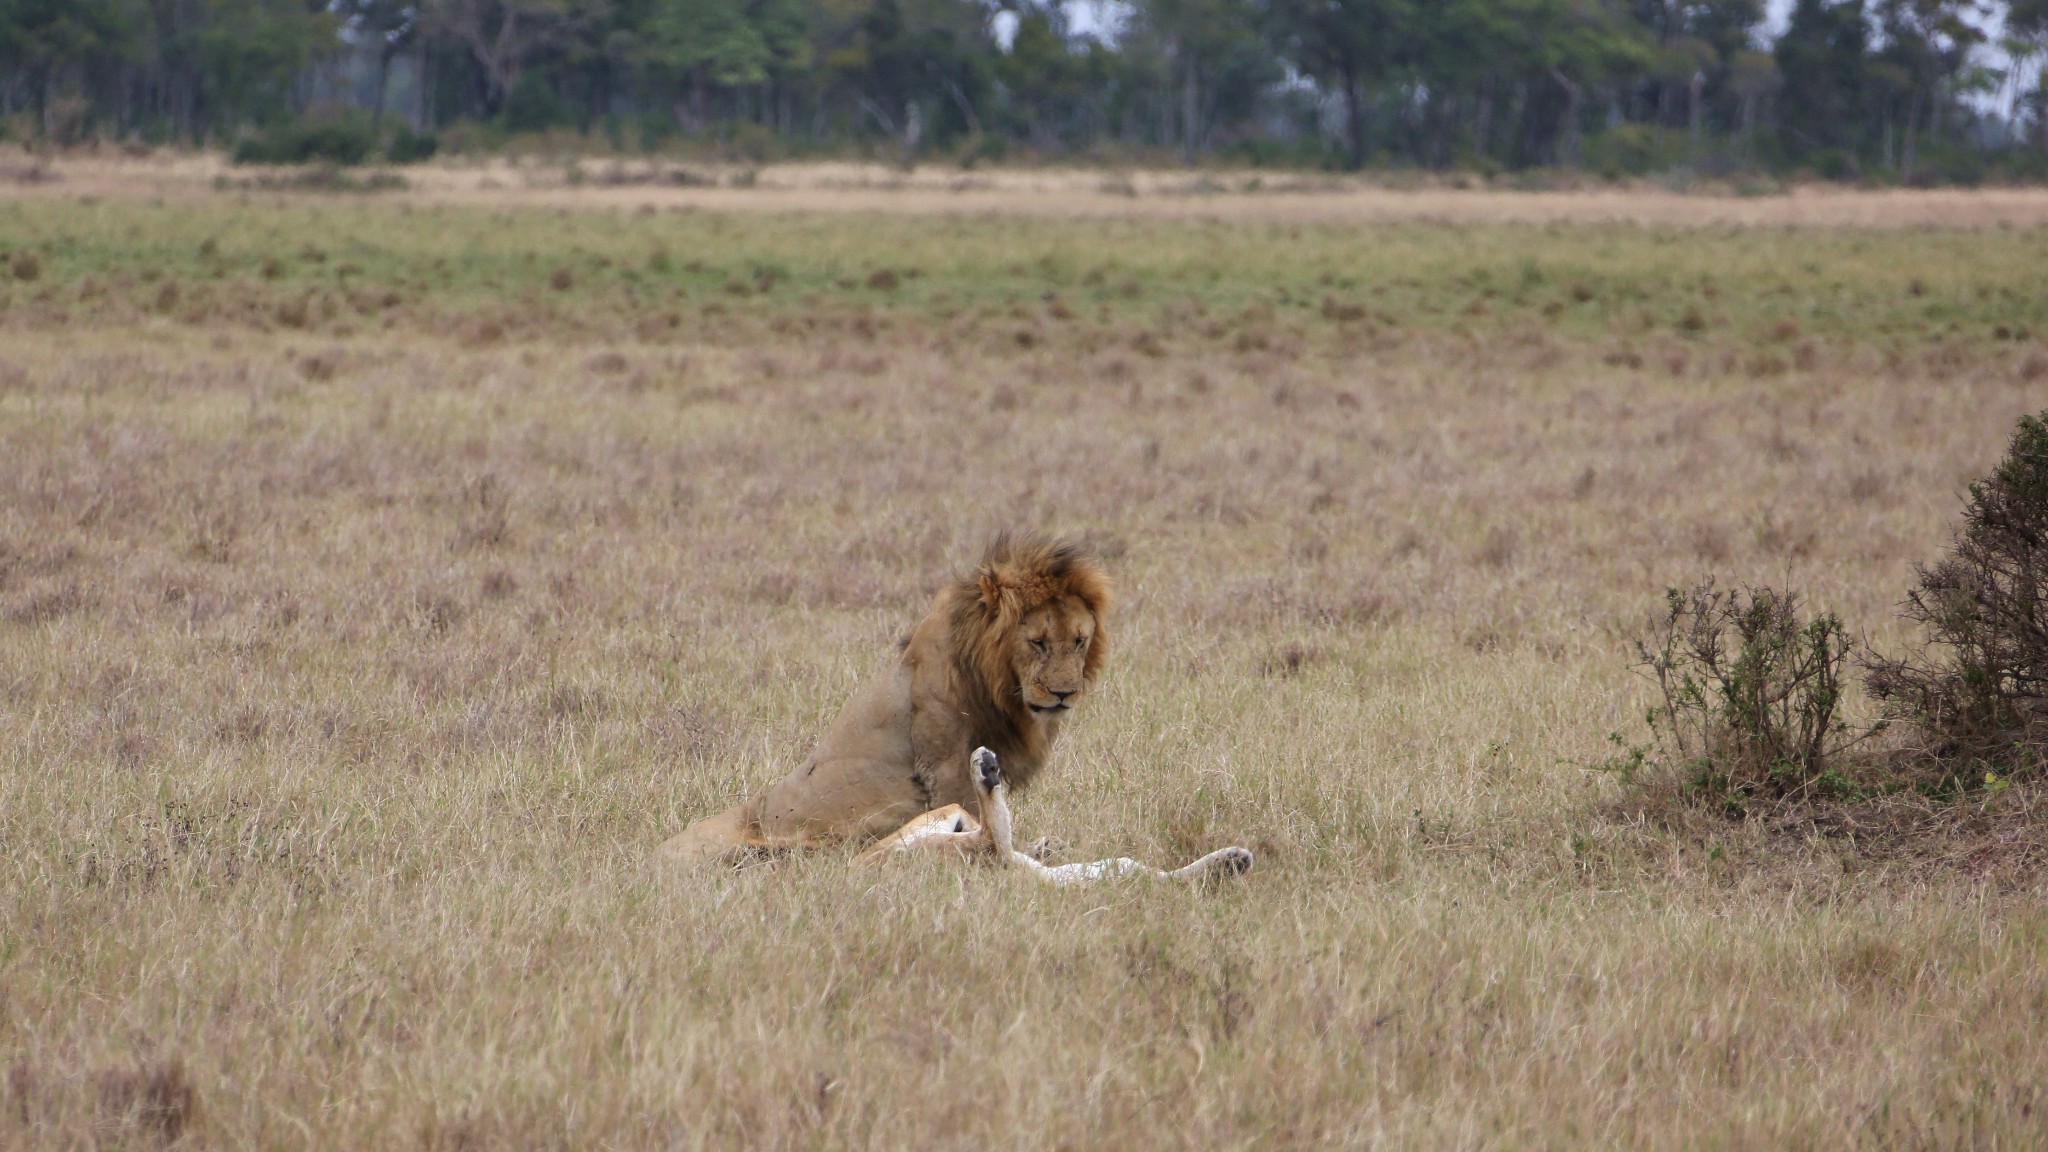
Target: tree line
{"points": [[1888, 89]]}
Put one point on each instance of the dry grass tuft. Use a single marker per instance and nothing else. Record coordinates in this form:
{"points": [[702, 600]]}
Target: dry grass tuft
{"points": [[154, 1100], [1290, 660]]}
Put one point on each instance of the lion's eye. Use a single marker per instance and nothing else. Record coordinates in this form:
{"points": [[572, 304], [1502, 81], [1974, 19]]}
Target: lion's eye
{"points": [[1040, 645], [1082, 642]]}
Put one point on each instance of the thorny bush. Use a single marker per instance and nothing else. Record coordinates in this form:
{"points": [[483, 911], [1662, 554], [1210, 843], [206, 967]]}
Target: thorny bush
{"points": [[1978, 700], [1750, 693]]}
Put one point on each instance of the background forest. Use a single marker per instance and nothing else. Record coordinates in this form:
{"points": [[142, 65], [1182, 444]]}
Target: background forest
{"points": [[1907, 91]]}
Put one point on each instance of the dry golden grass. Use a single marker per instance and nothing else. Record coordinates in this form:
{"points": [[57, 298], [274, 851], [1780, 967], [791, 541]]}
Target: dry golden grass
{"points": [[574, 181], [352, 661]]}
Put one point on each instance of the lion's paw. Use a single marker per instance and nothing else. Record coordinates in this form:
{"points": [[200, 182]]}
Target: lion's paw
{"points": [[1234, 861]]}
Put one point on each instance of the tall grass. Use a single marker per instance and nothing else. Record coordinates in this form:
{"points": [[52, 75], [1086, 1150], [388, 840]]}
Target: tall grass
{"points": [[354, 655]]}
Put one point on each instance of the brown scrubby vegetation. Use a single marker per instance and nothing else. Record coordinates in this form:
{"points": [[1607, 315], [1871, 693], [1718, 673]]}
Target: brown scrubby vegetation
{"points": [[1751, 688], [1977, 704]]}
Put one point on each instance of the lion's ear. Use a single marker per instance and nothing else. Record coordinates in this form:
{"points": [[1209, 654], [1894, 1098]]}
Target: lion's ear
{"points": [[991, 588]]}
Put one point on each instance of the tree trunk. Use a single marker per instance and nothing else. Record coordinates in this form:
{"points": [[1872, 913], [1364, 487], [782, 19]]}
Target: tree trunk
{"points": [[1521, 141], [1568, 151], [1482, 126], [498, 74], [966, 108], [1699, 83], [881, 117], [423, 91], [1354, 118], [1190, 117], [913, 131], [383, 80], [1906, 148]]}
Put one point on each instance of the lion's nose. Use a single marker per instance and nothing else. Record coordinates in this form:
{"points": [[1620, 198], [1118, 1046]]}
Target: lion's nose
{"points": [[1062, 695]]}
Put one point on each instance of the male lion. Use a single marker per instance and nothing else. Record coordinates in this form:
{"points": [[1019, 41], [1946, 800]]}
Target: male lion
{"points": [[1002, 657]]}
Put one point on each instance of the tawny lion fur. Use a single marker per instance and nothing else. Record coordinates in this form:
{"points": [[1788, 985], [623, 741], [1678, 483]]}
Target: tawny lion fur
{"points": [[998, 662]]}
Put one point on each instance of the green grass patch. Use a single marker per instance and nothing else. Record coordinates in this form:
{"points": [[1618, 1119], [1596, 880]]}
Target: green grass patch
{"points": [[1755, 287]]}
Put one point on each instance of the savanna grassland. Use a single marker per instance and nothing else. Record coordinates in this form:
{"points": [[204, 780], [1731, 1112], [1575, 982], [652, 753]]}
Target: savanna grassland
{"points": [[383, 577]]}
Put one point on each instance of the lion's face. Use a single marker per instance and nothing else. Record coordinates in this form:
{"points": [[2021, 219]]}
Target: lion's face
{"points": [[1050, 655]]}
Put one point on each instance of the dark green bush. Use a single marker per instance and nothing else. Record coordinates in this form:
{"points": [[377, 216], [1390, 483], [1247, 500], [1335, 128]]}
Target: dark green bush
{"points": [[1636, 149], [1262, 152], [1963, 165], [1979, 698], [1835, 164], [980, 149], [409, 147], [346, 142], [533, 105]]}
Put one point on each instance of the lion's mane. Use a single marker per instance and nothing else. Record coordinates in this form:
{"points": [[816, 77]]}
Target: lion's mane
{"points": [[1017, 574]]}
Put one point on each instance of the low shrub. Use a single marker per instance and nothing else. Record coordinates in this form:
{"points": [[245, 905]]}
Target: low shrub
{"points": [[347, 141], [344, 141], [1835, 164], [1751, 691], [1636, 149], [410, 147], [1750, 697]]}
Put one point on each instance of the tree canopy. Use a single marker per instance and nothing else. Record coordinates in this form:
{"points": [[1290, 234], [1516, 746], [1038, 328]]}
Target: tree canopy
{"points": [[1899, 89]]}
